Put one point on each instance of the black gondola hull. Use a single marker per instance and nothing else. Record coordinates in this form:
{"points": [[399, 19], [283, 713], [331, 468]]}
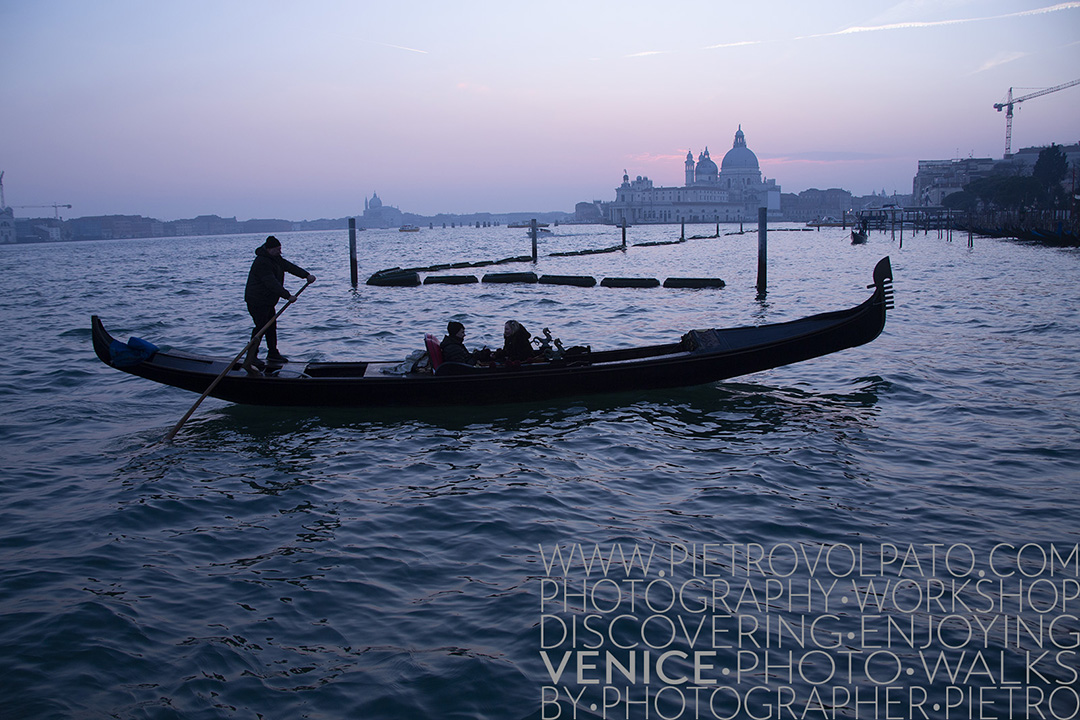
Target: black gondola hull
{"points": [[700, 357]]}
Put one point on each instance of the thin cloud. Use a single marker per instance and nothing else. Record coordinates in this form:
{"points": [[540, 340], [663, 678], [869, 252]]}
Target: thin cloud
{"points": [[910, 25], [1000, 59], [402, 47], [733, 44], [942, 23]]}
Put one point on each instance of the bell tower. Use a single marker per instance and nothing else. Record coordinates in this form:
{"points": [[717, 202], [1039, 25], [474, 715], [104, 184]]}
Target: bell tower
{"points": [[689, 168]]}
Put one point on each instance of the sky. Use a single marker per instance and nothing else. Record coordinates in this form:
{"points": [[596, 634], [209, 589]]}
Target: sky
{"points": [[300, 111]]}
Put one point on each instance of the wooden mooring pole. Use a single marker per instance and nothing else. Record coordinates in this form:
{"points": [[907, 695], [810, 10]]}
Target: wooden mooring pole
{"points": [[352, 250], [533, 233], [762, 249], [624, 233]]}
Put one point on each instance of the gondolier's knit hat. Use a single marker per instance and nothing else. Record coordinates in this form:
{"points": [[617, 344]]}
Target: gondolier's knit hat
{"points": [[272, 242]]}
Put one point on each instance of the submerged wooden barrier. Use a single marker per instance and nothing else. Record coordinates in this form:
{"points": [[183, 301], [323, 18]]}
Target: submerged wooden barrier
{"points": [[630, 282], [460, 265], [658, 243], [694, 283], [517, 258], [395, 277], [518, 277], [593, 251], [450, 280], [398, 277], [575, 280]]}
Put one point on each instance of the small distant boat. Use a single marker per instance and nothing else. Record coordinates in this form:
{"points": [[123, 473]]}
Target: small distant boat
{"points": [[539, 231], [408, 228], [826, 221], [858, 237]]}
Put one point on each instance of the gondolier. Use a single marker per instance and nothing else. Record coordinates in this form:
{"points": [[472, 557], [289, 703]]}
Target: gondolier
{"points": [[265, 286]]}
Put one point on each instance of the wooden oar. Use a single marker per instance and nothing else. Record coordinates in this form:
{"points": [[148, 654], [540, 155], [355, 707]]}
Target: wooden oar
{"points": [[257, 338]]}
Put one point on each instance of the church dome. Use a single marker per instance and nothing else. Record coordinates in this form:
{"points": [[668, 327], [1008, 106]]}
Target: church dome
{"points": [[375, 201], [740, 157], [706, 168]]}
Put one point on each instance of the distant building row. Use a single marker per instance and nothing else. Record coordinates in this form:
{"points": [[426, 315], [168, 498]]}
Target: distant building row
{"points": [[732, 192], [937, 179], [118, 227]]}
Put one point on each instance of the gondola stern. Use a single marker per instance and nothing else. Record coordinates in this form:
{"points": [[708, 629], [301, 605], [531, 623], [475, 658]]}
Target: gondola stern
{"points": [[115, 354], [102, 340], [883, 270], [883, 276]]}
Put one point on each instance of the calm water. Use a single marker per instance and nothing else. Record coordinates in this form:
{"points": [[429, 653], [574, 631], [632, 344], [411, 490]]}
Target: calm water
{"points": [[397, 564]]}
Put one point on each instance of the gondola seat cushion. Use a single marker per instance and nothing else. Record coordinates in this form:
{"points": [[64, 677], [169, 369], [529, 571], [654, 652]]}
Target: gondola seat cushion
{"points": [[134, 352], [434, 351]]}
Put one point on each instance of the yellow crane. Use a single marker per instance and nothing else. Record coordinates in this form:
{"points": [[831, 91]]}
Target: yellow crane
{"points": [[1010, 101]]}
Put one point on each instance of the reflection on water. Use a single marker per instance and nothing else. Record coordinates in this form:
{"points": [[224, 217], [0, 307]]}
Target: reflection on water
{"points": [[728, 407], [385, 563]]}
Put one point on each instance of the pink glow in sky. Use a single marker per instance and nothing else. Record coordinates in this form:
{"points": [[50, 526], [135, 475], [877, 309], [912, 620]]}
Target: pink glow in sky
{"points": [[301, 110]]}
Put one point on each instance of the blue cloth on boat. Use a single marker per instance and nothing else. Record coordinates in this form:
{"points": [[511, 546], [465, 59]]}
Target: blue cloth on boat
{"points": [[134, 352]]}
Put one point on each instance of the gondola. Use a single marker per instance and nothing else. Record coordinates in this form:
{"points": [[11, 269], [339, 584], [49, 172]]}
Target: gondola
{"points": [[699, 357], [858, 237]]}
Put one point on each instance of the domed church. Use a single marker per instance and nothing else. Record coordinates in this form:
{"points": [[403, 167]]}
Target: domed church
{"points": [[731, 193], [377, 215]]}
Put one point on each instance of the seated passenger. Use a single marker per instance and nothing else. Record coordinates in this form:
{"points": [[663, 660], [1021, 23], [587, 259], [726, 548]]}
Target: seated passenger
{"points": [[453, 345], [517, 346]]}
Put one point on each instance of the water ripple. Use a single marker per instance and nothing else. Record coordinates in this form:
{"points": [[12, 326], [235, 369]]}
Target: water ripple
{"points": [[384, 563]]}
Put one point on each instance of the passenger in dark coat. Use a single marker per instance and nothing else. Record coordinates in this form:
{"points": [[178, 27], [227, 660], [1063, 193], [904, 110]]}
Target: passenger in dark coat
{"points": [[264, 288], [453, 345], [517, 344]]}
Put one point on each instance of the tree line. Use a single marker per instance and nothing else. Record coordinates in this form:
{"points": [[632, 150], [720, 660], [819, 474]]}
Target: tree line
{"points": [[1042, 190]]}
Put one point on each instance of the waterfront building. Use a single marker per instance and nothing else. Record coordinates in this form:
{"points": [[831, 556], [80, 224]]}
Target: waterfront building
{"points": [[731, 192], [7, 225], [377, 215], [1023, 161], [589, 212], [937, 179], [108, 227], [814, 204]]}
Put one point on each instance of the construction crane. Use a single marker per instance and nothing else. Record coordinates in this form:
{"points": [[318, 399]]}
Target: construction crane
{"points": [[1010, 101], [55, 206]]}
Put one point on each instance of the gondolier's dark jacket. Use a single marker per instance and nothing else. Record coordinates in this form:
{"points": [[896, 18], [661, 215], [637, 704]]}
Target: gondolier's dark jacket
{"points": [[266, 277]]}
